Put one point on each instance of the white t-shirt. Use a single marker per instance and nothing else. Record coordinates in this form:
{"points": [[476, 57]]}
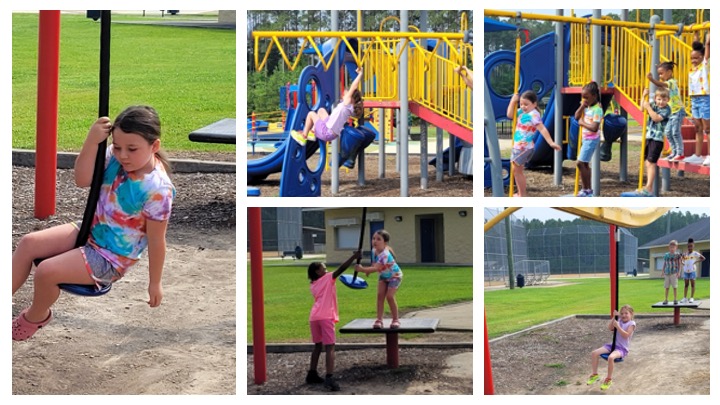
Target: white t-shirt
{"points": [[689, 261]]}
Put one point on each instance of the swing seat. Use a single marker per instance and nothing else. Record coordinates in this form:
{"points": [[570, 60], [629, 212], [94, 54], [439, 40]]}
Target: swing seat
{"points": [[606, 355], [359, 283], [85, 290]]}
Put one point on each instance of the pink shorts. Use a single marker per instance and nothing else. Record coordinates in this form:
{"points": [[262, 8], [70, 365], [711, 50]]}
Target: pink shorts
{"points": [[323, 331], [322, 132]]}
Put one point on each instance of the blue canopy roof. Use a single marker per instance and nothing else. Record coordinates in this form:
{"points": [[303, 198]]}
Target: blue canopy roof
{"points": [[494, 26]]}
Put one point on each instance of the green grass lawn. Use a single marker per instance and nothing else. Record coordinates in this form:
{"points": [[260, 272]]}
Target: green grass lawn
{"points": [[288, 299], [509, 311], [187, 74]]}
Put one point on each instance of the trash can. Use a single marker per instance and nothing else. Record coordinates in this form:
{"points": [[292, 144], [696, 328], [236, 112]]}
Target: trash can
{"points": [[298, 252], [520, 281]]}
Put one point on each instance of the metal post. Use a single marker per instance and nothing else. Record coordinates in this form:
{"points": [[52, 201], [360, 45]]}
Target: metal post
{"points": [[624, 140], [423, 123], [491, 140], [335, 181], [381, 144], [404, 109], [439, 169], [559, 45], [361, 154], [47, 112], [664, 175], [508, 241], [258, 305], [597, 77]]}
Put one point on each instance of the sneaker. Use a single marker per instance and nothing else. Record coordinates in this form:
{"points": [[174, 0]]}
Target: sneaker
{"points": [[585, 193], [644, 193], [706, 162], [665, 302], [694, 160], [692, 300], [311, 136], [314, 378], [675, 302], [593, 379], [678, 158], [331, 384], [669, 157], [606, 384], [297, 136], [684, 300]]}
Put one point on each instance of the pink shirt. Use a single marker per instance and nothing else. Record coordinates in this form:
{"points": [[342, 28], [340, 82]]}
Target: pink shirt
{"points": [[325, 294], [338, 117]]}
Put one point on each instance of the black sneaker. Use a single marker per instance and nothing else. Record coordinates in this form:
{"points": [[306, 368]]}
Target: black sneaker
{"points": [[331, 384], [313, 378]]}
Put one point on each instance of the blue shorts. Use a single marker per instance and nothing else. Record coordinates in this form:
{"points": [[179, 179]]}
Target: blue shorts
{"points": [[701, 106], [520, 156], [98, 267], [393, 282], [689, 276], [588, 149]]}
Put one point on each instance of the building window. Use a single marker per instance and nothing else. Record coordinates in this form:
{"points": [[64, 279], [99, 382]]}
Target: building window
{"points": [[347, 237]]}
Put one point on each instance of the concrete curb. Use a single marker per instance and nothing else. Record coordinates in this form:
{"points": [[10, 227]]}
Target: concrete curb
{"points": [[66, 160], [308, 347]]}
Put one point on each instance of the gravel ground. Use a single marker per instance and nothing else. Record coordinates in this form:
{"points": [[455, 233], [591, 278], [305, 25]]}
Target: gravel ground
{"points": [[556, 359]]}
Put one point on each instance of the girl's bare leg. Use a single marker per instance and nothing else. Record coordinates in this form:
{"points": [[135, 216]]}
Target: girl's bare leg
{"points": [[40, 245], [392, 303], [382, 293], [520, 180], [311, 119], [596, 358], [65, 268]]}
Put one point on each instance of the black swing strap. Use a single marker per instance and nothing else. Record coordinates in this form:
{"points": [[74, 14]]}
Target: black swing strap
{"points": [[103, 111], [360, 244]]}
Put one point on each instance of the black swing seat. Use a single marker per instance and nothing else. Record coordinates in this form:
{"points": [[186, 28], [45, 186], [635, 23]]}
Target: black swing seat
{"points": [[86, 290], [606, 355]]}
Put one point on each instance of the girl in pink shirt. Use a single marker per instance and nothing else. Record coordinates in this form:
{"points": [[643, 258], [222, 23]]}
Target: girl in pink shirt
{"points": [[323, 317]]}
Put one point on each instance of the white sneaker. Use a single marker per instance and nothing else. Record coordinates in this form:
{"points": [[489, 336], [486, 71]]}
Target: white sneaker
{"points": [[684, 300], [707, 161], [694, 160], [669, 157], [692, 299]]}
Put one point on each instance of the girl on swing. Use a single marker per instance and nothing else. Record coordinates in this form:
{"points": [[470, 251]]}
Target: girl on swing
{"points": [[625, 328], [132, 215]]}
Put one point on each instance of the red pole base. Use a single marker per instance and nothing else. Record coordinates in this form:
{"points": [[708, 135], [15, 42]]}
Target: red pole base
{"points": [[393, 350], [676, 316]]}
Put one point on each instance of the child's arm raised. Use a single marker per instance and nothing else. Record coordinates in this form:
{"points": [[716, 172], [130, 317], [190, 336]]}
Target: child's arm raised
{"points": [[655, 81], [579, 112], [356, 255], [512, 107], [544, 132], [347, 97], [85, 162]]}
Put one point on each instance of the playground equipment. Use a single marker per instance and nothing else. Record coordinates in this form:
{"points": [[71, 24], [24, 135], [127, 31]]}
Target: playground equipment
{"points": [[614, 216], [402, 71], [606, 51]]}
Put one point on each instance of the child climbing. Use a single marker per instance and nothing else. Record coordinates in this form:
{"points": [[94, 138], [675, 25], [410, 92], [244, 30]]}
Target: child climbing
{"points": [[677, 109], [383, 262], [624, 327], [132, 215], [699, 92], [588, 116], [326, 126], [323, 317], [528, 121]]}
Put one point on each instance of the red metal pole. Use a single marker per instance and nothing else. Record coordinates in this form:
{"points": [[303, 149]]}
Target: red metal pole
{"points": [[47, 112], [676, 316], [256, 282], [489, 385], [613, 270], [393, 350]]}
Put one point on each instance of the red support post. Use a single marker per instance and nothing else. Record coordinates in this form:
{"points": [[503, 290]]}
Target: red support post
{"points": [[392, 350], [256, 283], [489, 384], [613, 270], [47, 112]]}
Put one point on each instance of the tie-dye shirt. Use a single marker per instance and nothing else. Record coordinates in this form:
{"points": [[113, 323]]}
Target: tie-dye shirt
{"points": [[675, 103], [593, 113], [126, 202], [699, 83], [525, 128], [390, 266]]}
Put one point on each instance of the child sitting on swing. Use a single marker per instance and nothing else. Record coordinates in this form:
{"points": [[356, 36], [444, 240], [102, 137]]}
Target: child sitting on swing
{"points": [[624, 329]]}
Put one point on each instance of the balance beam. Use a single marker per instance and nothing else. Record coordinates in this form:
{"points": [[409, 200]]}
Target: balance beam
{"points": [[676, 307], [222, 131], [407, 325]]}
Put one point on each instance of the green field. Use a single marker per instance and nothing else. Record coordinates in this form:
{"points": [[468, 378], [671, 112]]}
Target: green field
{"points": [[509, 311], [187, 74], [288, 299]]}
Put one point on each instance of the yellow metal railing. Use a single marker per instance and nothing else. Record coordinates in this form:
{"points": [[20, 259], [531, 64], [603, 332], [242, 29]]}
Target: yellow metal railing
{"points": [[676, 50], [632, 59]]}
